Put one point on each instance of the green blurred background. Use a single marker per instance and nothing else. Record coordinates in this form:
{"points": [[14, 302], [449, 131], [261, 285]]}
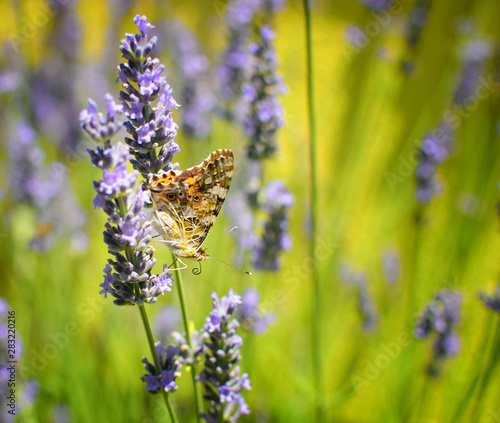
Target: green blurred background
{"points": [[371, 116]]}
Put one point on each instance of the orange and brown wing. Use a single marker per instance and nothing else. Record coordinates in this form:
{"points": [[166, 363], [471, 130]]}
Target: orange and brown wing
{"points": [[207, 184], [192, 199]]}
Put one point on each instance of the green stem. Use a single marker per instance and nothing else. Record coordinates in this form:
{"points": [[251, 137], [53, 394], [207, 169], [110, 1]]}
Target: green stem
{"points": [[487, 373], [151, 342], [182, 301], [316, 294], [463, 405]]}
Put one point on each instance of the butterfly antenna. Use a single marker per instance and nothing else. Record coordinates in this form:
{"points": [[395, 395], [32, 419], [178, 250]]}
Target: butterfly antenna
{"points": [[230, 265], [197, 271], [227, 233]]}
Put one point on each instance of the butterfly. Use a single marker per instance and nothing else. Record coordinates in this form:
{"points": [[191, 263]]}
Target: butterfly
{"points": [[186, 203]]}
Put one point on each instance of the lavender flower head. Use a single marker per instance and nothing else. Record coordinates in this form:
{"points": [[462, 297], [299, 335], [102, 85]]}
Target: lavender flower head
{"points": [[265, 113], [441, 317], [128, 277], [148, 103], [474, 55], [235, 59], [249, 314], [275, 237], [434, 150], [170, 370], [220, 377]]}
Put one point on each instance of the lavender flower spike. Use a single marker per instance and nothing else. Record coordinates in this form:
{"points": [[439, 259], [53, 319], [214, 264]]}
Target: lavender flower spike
{"points": [[148, 103], [265, 115], [434, 150], [127, 277], [220, 377], [441, 316], [170, 370], [275, 237]]}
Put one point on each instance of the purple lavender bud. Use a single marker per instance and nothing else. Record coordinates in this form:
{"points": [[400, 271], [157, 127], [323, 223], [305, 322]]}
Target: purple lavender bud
{"points": [[197, 100], [143, 24], [98, 126]]}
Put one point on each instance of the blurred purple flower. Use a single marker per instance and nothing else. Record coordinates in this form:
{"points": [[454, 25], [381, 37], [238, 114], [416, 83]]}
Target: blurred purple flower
{"points": [[366, 305], [441, 316], [166, 322], [417, 20], [377, 5], [275, 237], [474, 55], [249, 314], [491, 301], [391, 266], [265, 113], [45, 188], [435, 149], [197, 97], [355, 36]]}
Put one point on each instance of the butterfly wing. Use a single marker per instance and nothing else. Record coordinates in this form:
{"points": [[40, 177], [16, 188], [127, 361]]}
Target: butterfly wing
{"points": [[208, 184], [187, 203]]}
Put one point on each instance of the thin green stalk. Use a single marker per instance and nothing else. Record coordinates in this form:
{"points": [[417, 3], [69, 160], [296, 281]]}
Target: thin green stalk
{"points": [[182, 301], [151, 342], [487, 372], [316, 294]]}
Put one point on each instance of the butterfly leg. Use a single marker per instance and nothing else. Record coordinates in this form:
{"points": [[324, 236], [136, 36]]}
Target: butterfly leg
{"points": [[177, 259]]}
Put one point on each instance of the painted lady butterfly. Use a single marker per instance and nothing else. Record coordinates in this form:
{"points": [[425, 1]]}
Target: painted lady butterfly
{"points": [[186, 203]]}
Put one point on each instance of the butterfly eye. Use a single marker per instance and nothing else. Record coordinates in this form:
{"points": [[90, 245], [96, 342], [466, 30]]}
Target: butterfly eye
{"points": [[171, 196]]}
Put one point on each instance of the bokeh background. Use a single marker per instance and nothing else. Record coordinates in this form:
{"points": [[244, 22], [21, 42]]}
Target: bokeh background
{"points": [[385, 76]]}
